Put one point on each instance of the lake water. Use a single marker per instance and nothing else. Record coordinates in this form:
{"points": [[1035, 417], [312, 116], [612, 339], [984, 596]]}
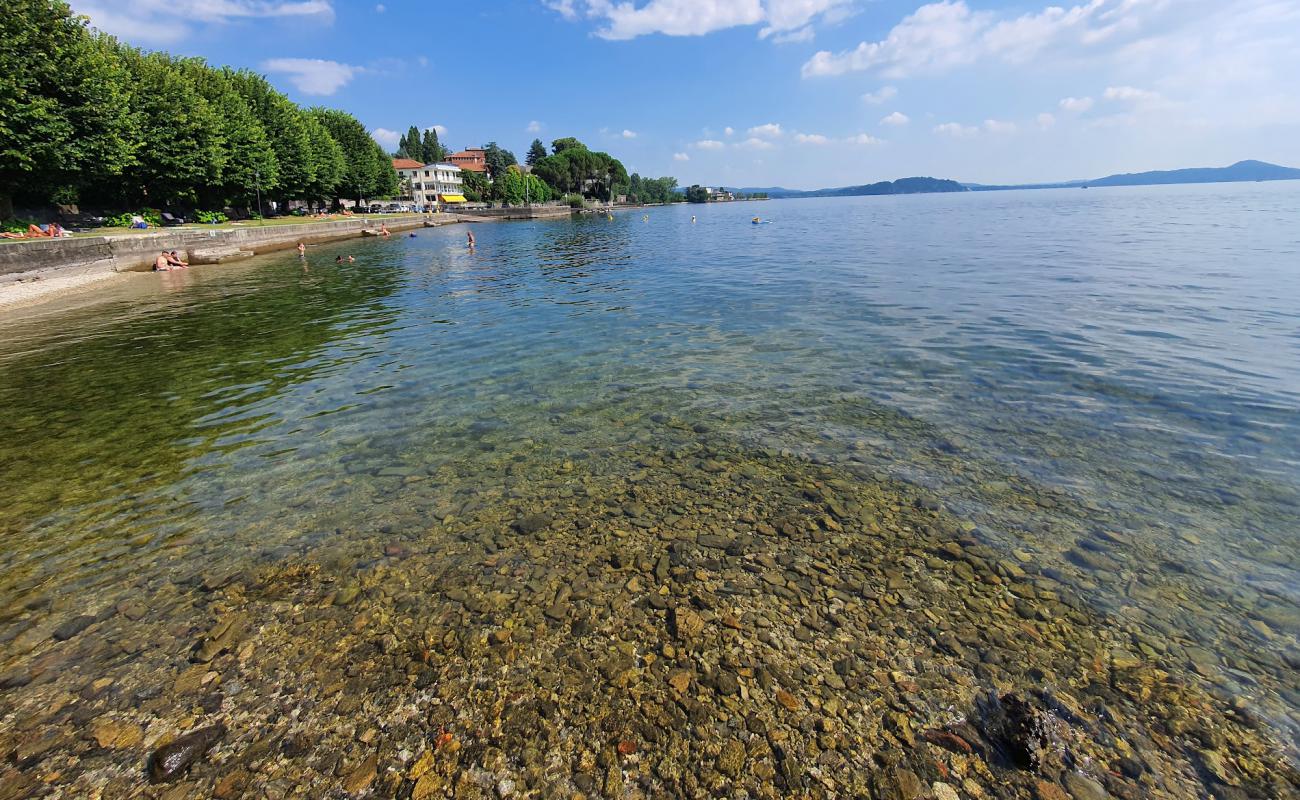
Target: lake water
{"points": [[653, 507]]}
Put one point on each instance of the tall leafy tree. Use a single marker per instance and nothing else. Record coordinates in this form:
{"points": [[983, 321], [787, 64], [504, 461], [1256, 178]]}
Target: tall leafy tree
{"points": [[536, 152], [433, 149], [410, 142], [368, 171], [179, 135], [64, 102], [327, 163], [287, 131], [498, 159], [568, 143], [247, 161], [476, 185]]}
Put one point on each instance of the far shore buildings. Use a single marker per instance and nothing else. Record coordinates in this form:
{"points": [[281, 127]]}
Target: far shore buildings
{"points": [[431, 185], [719, 195]]}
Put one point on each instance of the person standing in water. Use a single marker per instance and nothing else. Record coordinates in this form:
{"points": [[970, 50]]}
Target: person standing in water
{"points": [[302, 249], [469, 238]]}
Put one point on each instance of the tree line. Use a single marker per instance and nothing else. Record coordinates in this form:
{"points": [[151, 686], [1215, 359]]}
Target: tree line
{"points": [[87, 119]]}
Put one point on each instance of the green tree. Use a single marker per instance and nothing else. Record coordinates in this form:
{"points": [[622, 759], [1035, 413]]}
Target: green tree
{"points": [[697, 194], [180, 146], [568, 143], [498, 159], [508, 186], [288, 132], [326, 162], [476, 185], [363, 173], [536, 190], [247, 160], [432, 148], [64, 103], [536, 152]]}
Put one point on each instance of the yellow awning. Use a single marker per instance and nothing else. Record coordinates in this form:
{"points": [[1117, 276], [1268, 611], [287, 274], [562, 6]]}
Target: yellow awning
{"points": [[454, 198]]}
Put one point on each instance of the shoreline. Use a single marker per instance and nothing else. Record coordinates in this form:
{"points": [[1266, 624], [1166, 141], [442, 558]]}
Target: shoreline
{"points": [[33, 273]]}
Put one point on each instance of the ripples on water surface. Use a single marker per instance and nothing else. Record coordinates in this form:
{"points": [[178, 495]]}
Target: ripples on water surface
{"points": [[1101, 387]]}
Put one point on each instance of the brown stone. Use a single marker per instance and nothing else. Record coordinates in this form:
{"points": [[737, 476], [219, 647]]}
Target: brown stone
{"points": [[788, 701], [113, 735], [361, 777]]}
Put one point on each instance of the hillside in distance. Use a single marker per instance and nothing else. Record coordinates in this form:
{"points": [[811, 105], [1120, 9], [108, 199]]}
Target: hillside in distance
{"points": [[1242, 171], [900, 186]]}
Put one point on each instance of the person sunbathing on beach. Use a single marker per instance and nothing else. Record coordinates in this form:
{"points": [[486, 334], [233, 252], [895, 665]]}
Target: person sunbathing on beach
{"points": [[51, 231]]}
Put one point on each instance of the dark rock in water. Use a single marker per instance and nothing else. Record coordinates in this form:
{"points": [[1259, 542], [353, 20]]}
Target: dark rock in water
{"points": [[73, 627], [1084, 788], [171, 761], [1026, 732], [532, 523], [14, 680]]}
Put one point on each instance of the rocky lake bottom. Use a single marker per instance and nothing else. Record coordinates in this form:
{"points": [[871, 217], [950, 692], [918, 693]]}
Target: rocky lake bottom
{"points": [[673, 615]]}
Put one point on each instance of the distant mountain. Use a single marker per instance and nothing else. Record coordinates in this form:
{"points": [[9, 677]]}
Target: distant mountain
{"points": [[1242, 171], [900, 186]]}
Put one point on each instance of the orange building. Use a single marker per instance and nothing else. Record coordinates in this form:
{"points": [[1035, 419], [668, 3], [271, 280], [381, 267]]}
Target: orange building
{"points": [[473, 159]]}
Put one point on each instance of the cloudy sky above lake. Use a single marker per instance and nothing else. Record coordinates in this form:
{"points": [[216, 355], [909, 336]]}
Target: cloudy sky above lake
{"points": [[797, 93]]}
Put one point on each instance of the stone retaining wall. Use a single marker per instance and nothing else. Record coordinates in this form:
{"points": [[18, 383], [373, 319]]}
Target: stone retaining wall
{"points": [[132, 252]]}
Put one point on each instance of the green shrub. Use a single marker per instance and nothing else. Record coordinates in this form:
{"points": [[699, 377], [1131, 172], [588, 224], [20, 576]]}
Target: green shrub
{"points": [[16, 225], [210, 217], [575, 200], [151, 215]]}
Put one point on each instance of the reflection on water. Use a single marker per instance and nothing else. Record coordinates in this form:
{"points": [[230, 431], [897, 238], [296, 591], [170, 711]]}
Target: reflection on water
{"points": [[1100, 387]]}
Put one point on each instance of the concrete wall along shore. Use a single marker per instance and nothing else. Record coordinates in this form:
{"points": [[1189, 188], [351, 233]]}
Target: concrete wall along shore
{"points": [[136, 252]]}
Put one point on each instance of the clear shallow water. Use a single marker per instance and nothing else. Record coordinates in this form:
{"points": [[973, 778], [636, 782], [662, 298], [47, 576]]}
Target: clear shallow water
{"points": [[1104, 382]]}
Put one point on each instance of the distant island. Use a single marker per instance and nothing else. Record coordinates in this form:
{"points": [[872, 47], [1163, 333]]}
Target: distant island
{"points": [[1242, 171]]}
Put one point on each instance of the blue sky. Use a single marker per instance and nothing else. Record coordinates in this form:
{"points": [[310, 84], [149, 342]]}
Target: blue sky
{"points": [[797, 93]]}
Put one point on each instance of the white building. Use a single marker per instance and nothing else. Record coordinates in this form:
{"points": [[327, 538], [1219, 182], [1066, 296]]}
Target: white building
{"points": [[435, 184], [428, 185]]}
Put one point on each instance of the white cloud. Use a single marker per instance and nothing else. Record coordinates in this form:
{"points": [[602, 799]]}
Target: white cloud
{"points": [[782, 20], [627, 134], [709, 144], [897, 118], [883, 95], [387, 138], [755, 143], [534, 127], [1077, 105], [811, 138], [315, 76], [863, 138], [729, 130], [1129, 94], [169, 21], [681, 157], [997, 126], [381, 8], [956, 130], [1046, 120], [441, 129], [769, 131], [944, 35]]}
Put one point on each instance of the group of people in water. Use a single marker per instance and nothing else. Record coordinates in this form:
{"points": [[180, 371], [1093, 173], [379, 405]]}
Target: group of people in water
{"points": [[169, 260]]}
